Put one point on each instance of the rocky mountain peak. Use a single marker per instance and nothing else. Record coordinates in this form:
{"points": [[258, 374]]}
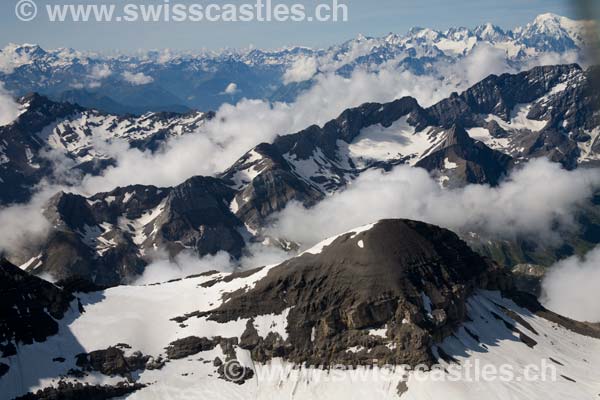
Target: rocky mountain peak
{"points": [[405, 278]]}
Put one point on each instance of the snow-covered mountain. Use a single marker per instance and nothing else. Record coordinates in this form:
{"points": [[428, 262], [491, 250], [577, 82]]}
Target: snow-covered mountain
{"points": [[347, 319], [81, 137], [171, 81]]}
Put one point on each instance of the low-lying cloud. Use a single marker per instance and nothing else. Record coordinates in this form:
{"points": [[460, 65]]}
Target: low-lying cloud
{"points": [[9, 108], [303, 69], [238, 128], [571, 287], [187, 263], [24, 226], [524, 204], [137, 79]]}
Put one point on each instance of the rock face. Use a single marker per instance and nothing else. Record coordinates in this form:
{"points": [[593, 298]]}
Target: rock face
{"points": [[189, 346], [29, 309], [528, 278], [395, 288], [124, 227], [464, 159]]}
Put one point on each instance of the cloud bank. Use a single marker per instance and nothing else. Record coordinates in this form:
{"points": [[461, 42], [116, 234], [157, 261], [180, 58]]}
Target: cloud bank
{"points": [[303, 69], [524, 204], [186, 264], [571, 287], [238, 128]]}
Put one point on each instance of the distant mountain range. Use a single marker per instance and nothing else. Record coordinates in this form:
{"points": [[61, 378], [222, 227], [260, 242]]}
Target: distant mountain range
{"points": [[165, 81]]}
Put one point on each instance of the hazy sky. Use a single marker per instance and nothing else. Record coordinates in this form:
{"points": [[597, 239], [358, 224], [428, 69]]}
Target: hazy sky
{"points": [[369, 17]]}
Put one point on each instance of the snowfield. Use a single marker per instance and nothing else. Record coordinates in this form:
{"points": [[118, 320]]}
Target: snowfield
{"points": [[140, 316]]}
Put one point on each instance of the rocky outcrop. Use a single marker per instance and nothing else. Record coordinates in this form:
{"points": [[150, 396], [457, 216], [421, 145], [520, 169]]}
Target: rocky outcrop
{"points": [[114, 362], [191, 345], [266, 183], [74, 391]]}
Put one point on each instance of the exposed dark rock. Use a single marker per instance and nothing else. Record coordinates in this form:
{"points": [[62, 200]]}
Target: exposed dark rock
{"points": [[531, 303], [77, 391], [272, 189], [528, 278], [191, 345], [24, 168], [3, 369], [8, 349], [475, 162], [29, 309], [113, 362]]}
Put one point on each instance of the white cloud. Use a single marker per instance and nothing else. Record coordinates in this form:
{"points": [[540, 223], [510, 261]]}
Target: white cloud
{"points": [[483, 61], [571, 287], [24, 225], [187, 263], [137, 79], [303, 69], [522, 205], [238, 128], [9, 108], [100, 72], [6, 63], [235, 130], [232, 88]]}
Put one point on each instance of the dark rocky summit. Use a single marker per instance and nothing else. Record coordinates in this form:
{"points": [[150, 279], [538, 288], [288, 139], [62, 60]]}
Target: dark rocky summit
{"points": [[409, 280]]}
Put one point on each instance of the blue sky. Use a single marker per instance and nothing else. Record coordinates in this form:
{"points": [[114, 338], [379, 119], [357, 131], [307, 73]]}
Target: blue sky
{"points": [[372, 18]]}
